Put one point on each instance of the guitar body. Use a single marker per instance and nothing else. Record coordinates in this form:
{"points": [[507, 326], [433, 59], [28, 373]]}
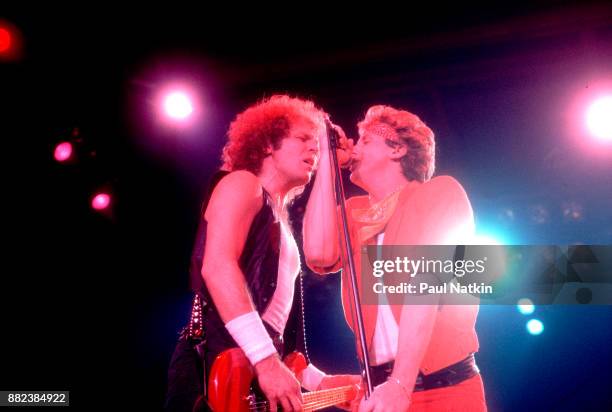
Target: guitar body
{"points": [[229, 382], [232, 386]]}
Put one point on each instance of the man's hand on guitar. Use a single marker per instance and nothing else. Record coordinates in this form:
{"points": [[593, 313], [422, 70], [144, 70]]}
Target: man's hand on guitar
{"points": [[335, 381], [278, 384]]}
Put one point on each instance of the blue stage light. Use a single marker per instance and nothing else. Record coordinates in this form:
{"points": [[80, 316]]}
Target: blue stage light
{"points": [[535, 327], [525, 306]]}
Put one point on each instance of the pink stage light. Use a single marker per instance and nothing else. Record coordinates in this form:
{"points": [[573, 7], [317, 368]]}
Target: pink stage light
{"points": [[599, 118], [63, 152], [178, 105], [100, 201]]}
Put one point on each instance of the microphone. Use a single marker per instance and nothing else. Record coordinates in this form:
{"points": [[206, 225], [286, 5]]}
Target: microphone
{"points": [[332, 133], [334, 143]]}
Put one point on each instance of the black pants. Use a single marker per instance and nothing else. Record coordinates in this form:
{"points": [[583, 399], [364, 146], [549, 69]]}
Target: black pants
{"points": [[185, 378]]}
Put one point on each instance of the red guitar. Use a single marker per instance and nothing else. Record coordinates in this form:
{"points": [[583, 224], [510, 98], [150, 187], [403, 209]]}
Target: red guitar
{"points": [[232, 387]]}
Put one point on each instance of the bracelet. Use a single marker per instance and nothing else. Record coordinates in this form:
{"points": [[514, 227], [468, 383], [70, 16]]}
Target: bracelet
{"points": [[397, 381]]}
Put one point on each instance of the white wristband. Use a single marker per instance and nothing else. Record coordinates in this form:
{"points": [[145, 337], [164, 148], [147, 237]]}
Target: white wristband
{"points": [[250, 334], [312, 377]]}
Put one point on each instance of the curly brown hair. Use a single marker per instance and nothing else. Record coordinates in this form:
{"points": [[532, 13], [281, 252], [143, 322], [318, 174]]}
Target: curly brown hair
{"points": [[420, 160], [263, 125]]}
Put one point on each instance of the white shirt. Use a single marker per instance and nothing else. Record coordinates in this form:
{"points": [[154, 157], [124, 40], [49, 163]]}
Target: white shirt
{"points": [[277, 312]]}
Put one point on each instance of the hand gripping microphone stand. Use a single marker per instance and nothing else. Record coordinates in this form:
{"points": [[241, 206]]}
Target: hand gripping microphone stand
{"points": [[332, 136]]}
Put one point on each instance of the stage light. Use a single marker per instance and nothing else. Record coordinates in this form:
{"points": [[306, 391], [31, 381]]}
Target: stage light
{"points": [[6, 40], [599, 118], [572, 211], [525, 306], [10, 42], [539, 214], [100, 201], [535, 327], [464, 235], [178, 105], [63, 151], [485, 239]]}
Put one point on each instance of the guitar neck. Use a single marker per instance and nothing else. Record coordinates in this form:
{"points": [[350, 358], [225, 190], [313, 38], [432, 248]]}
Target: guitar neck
{"points": [[313, 401], [328, 397]]}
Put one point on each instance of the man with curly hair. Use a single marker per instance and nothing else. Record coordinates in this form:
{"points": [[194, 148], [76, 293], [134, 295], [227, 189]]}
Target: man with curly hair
{"points": [[421, 355], [245, 265]]}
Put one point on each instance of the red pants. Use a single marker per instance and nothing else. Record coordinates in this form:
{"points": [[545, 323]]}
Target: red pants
{"points": [[467, 396]]}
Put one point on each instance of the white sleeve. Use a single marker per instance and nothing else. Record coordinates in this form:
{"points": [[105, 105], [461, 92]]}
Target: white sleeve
{"points": [[312, 377]]}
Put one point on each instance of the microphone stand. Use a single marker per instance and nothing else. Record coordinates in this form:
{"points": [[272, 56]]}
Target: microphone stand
{"points": [[332, 136]]}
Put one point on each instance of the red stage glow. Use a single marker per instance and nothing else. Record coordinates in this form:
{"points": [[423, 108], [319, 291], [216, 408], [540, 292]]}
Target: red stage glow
{"points": [[11, 42], [63, 151], [100, 201], [5, 40]]}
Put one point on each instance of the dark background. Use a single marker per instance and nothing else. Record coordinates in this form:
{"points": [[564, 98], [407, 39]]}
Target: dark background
{"points": [[92, 302]]}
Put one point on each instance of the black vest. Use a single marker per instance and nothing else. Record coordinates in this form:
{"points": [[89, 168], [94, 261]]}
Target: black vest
{"points": [[259, 264]]}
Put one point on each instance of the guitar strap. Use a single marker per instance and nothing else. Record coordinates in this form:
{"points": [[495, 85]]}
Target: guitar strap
{"points": [[194, 333], [201, 350]]}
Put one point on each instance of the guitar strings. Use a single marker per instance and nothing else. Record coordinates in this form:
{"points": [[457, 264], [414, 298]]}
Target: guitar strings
{"points": [[320, 399], [322, 394], [310, 406]]}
